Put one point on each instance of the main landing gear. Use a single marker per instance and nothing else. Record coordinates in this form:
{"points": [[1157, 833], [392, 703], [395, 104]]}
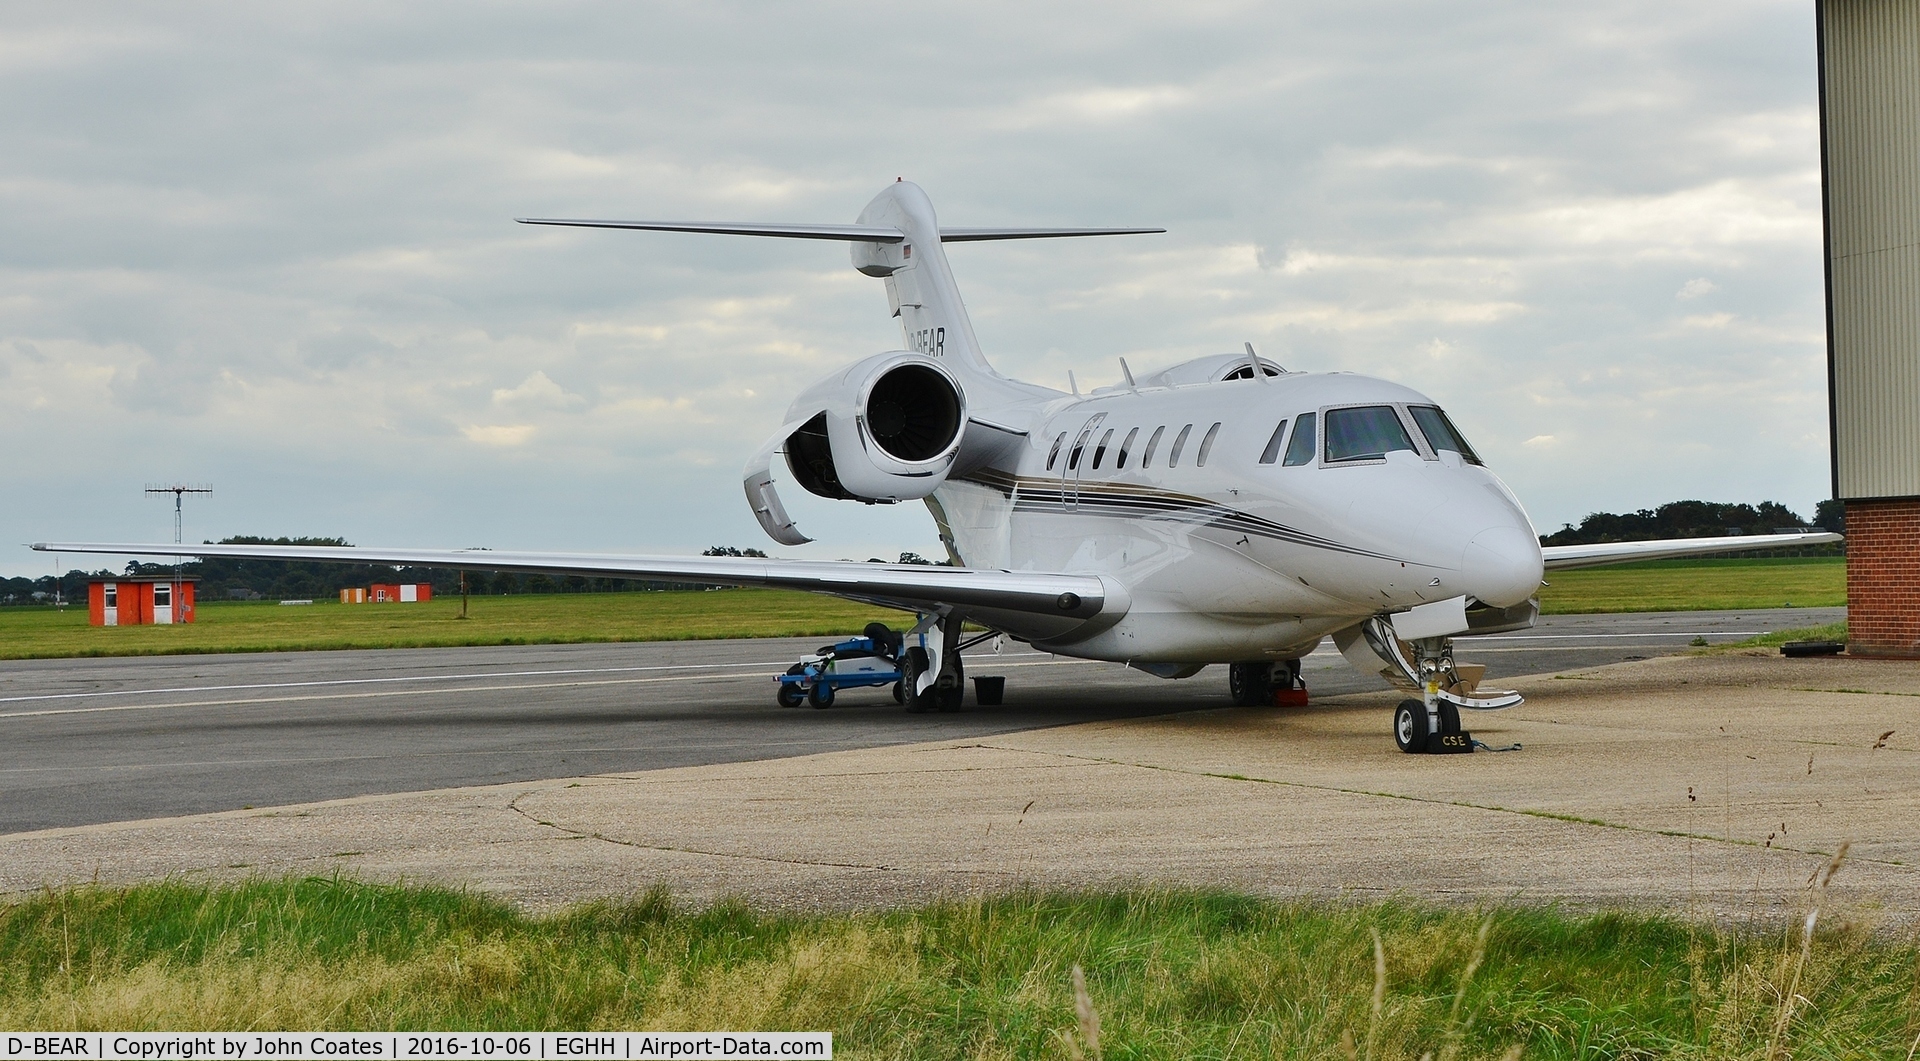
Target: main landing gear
{"points": [[1261, 683], [933, 678]]}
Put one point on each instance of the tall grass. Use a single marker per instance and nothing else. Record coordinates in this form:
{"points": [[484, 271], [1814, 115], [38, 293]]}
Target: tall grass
{"points": [[1142, 974]]}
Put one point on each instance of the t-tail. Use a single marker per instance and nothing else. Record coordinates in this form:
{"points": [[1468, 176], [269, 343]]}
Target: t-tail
{"points": [[897, 238], [889, 427]]}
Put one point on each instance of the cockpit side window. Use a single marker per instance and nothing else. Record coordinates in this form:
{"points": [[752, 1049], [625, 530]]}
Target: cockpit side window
{"points": [[1272, 452], [1054, 453], [1126, 445], [1366, 432], [1440, 432], [1300, 449]]}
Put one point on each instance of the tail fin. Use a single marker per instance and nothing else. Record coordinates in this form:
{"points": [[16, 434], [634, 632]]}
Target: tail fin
{"points": [[920, 287], [897, 238]]}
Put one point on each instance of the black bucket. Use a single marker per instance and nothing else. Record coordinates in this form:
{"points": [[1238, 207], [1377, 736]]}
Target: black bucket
{"points": [[988, 691]]}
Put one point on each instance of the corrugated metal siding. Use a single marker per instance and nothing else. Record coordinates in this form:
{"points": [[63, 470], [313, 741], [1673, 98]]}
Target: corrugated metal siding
{"points": [[1871, 69]]}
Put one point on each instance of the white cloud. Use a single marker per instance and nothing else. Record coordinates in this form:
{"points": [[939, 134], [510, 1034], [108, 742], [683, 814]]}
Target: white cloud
{"points": [[503, 435], [1696, 287], [537, 392]]}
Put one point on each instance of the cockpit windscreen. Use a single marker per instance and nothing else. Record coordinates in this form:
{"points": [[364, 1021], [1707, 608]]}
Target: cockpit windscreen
{"points": [[1367, 432], [1440, 432]]}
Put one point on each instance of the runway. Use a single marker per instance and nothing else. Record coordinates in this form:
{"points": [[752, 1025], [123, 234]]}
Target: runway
{"points": [[103, 740]]}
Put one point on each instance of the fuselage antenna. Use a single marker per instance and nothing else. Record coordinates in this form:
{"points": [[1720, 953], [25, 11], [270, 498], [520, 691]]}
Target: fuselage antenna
{"points": [[1127, 372]]}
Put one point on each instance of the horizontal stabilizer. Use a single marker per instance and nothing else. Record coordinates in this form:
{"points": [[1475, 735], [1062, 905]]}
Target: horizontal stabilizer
{"points": [[975, 235], [848, 233], [1562, 557]]}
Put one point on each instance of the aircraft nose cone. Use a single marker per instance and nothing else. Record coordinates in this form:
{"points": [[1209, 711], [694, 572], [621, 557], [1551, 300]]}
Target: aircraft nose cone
{"points": [[1501, 566]]}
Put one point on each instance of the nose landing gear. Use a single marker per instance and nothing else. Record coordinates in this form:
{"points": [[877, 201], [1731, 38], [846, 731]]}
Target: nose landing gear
{"points": [[1425, 667], [1431, 724]]}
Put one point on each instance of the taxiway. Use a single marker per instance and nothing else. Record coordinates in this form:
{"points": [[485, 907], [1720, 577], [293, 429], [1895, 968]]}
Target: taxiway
{"points": [[103, 740]]}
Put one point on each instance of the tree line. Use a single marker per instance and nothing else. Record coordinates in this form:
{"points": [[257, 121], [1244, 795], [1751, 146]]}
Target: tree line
{"points": [[1701, 519], [223, 578]]}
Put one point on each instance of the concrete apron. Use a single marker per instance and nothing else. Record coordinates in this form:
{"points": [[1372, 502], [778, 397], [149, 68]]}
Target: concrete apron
{"points": [[1707, 786]]}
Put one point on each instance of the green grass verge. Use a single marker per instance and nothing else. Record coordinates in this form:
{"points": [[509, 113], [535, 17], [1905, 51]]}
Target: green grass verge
{"points": [[1169, 974], [38, 632], [1829, 632], [1698, 585]]}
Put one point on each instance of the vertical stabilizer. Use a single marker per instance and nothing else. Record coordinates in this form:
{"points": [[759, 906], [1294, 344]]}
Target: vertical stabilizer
{"points": [[920, 286]]}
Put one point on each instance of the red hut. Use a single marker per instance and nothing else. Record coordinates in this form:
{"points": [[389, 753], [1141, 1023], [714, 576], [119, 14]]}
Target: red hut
{"points": [[137, 600]]}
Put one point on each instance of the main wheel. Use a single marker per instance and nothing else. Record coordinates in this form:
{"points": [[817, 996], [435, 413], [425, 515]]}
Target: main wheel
{"points": [[789, 695], [1410, 726], [1251, 684], [913, 663], [821, 695]]}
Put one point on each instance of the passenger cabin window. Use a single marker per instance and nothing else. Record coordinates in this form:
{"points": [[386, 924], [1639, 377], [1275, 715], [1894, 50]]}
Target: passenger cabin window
{"points": [[1272, 452], [1152, 443], [1206, 445], [1300, 449], [1125, 445], [1101, 450], [1054, 453], [1179, 443], [1079, 447], [1368, 432], [1440, 432]]}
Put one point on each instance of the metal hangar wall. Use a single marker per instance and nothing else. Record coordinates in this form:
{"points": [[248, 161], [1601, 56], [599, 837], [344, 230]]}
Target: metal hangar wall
{"points": [[1870, 162]]}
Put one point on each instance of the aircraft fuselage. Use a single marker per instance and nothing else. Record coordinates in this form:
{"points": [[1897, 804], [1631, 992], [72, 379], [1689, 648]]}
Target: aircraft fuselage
{"points": [[1234, 544]]}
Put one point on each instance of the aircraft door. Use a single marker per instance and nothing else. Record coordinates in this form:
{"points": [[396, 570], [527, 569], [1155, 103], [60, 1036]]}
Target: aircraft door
{"points": [[1076, 463]]}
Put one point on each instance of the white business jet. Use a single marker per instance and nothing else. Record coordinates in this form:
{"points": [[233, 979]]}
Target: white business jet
{"points": [[1224, 510]]}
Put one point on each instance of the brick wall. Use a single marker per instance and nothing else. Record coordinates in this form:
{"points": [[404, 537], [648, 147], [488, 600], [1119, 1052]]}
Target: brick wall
{"points": [[1883, 578]]}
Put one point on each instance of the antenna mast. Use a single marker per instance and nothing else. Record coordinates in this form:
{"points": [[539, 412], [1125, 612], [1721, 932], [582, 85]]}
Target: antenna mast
{"points": [[178, 490]]}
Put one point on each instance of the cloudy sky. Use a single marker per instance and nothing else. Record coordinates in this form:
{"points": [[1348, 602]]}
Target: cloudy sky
{"points": [[269, 247]]}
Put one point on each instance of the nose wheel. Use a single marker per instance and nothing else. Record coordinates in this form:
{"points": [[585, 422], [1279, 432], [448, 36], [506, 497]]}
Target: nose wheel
{"points": [[1414, 729], [1410, 726]]}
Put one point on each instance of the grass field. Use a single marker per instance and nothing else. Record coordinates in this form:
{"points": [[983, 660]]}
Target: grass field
{"points": [[39, 631], [31, 632], [1167, 975], [1698, 585]]}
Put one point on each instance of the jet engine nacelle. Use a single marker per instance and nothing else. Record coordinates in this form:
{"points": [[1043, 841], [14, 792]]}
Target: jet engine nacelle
{"points": [[885, 429]]}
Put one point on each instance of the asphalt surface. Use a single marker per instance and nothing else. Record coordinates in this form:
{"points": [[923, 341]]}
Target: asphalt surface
{"points": [[101, 740]]}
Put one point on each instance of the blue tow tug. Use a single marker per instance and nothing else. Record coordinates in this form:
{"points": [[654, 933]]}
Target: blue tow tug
{"points": [[872, 659]]}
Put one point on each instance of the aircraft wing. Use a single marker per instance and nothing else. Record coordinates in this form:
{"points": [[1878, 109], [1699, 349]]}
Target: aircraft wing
{"points": [[1562, 557], [1033, 603]]}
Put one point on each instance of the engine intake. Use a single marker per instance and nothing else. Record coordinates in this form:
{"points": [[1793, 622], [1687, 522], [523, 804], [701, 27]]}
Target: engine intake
{"points": [[886, 429], [913, 412]]}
